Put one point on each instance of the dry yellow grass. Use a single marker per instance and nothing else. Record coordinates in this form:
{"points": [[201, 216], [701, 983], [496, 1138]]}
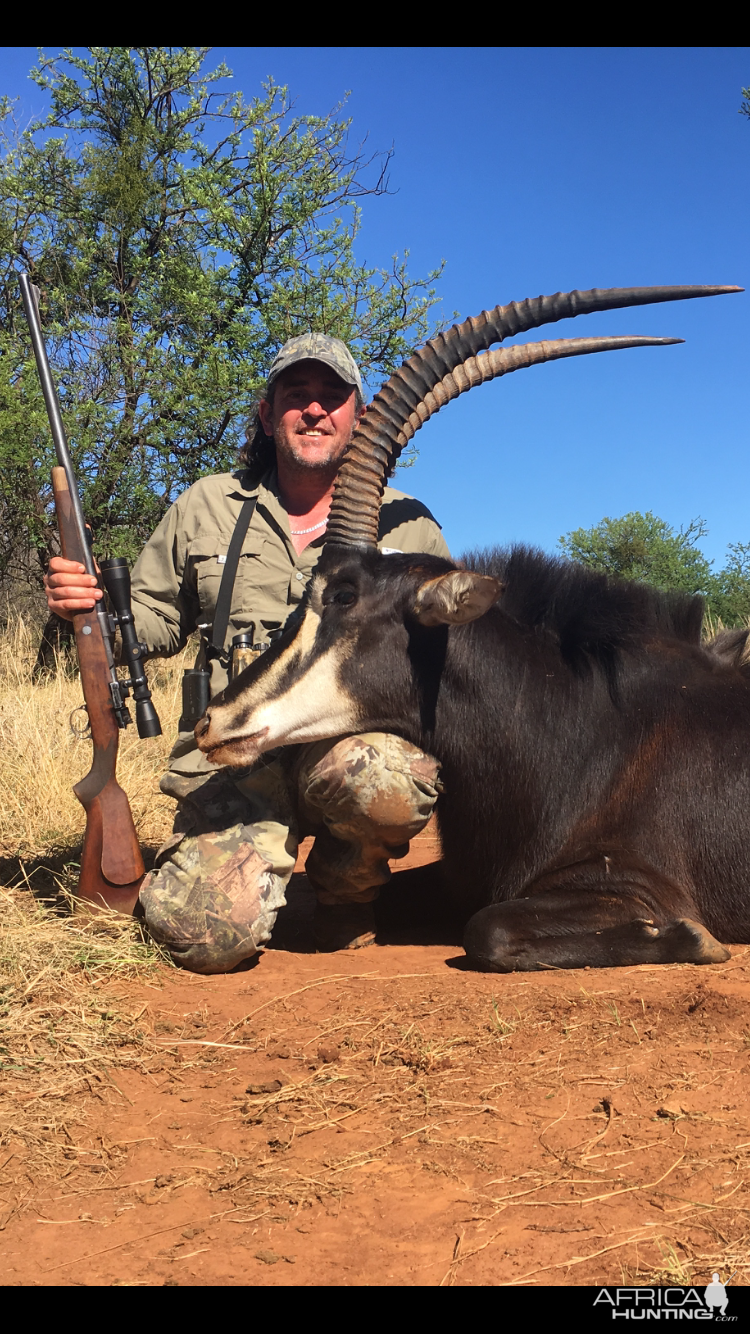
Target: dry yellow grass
{"points": [[39, 814], [63, 1023]]}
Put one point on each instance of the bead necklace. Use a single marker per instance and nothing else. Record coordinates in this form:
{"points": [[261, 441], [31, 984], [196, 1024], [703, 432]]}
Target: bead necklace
{"points": [[297, 532]]}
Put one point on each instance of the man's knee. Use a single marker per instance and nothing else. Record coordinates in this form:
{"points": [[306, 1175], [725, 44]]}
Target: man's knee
{"points": [[219, 880], [375, 779], [212, 899]]}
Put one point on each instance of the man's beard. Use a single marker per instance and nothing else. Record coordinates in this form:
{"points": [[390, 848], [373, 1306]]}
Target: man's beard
{"points": [[295, 456]]}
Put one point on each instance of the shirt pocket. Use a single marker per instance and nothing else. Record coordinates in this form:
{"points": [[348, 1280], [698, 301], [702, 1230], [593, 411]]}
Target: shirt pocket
{"points": [[207, 560]]}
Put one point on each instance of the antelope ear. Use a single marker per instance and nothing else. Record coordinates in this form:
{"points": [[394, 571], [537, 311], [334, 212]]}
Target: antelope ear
{"points": [[456, 598]]}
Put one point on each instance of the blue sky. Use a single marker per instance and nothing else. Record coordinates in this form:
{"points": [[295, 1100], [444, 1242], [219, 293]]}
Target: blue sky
{"points": [[536, 170]]}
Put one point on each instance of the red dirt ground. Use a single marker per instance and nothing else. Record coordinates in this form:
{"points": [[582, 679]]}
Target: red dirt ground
{"points": [[384, 1117]]}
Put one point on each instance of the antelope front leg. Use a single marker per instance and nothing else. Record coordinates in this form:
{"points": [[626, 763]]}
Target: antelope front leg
{"points": [[592, 928]]}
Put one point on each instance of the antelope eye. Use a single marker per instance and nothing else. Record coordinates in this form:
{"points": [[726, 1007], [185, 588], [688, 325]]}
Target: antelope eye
{"points": [[345, 597]]}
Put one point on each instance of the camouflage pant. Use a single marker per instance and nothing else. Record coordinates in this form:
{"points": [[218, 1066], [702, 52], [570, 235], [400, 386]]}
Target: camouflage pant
{"points": [[219, 881]]}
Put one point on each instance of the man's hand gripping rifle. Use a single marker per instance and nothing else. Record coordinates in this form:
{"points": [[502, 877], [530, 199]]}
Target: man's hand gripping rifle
{"points": [[111, 863]]}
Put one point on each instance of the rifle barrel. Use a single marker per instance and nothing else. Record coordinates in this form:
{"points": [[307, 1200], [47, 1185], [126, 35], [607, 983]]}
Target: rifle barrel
{"points": [[30, 296]]}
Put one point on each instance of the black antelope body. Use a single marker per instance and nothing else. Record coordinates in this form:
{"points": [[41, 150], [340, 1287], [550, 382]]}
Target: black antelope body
{"points": [[596, 757]]}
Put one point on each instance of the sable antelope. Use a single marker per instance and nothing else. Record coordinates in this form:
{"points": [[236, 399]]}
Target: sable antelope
{"points": [[596, 758]]}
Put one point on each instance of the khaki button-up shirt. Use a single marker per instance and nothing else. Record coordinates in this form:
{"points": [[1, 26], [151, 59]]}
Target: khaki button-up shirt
{"points": [[176, 579]]}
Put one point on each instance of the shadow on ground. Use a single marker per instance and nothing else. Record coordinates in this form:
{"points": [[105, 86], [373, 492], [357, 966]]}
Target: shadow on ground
{"points": [[54, 876], [413, 909]]}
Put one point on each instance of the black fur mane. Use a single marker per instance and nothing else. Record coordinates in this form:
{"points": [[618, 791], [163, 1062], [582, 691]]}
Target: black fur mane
{"points": [[592, 615]]}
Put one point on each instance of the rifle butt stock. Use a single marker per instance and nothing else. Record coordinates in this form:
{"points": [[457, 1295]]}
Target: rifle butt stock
{"points": [[95, 890]]}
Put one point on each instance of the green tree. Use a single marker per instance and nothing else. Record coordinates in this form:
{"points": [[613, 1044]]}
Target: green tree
{"points": [[178, 236], [641, 546], [644, 547], [729, 594]]}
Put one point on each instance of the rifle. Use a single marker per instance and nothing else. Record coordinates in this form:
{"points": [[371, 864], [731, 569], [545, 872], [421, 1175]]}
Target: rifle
{"points": [[111, 863]]}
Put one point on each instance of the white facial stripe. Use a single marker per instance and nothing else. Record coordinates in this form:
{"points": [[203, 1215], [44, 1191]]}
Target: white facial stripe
{"points": [[298, 649], [223, 715], [311, 710], [304, 640]]}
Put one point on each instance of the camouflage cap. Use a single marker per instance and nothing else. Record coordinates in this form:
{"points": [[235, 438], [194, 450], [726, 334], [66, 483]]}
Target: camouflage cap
{"points": [[317, 347]]}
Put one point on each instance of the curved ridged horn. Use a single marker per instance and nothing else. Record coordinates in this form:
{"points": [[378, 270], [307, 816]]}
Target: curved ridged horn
{"points": [[477, 370], [401, 406]]}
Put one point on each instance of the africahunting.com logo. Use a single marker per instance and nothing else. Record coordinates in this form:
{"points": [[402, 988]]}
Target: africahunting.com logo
{"points": [[666, 1303]]}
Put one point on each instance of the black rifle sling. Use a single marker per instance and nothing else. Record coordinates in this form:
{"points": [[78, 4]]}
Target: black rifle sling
{"points": [[217, 644]]}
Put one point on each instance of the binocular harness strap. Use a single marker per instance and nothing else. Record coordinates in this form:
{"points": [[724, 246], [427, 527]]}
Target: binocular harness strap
{"points": [[216, 645]]}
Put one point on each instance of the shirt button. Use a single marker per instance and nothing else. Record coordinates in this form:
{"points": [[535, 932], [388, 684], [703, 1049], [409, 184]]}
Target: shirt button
{"points": [[299, 576]]}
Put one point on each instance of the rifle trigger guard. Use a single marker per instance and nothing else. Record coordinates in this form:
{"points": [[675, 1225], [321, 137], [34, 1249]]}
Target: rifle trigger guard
{"points": [[80, 733]]}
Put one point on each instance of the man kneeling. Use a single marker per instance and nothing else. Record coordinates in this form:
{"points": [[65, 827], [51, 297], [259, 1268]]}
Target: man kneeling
{"points": [[220, 880]]}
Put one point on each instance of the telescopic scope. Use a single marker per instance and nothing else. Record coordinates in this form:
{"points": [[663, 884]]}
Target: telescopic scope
{"points": [[116, 577]]}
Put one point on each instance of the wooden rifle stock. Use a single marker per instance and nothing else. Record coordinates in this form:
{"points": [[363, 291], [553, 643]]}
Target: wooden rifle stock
{"points": [[111, 863]]}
